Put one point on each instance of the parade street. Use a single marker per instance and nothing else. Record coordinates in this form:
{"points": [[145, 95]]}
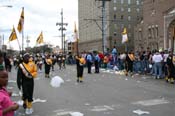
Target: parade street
{"points": [[103, 94]]}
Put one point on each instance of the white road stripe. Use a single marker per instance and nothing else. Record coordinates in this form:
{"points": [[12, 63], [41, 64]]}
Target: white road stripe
{"points": [[151, 102]]}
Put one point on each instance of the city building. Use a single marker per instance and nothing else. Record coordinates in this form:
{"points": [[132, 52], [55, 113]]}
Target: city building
{"points": [[90, 25], [124, 14], [119, 14], [157, 29]]}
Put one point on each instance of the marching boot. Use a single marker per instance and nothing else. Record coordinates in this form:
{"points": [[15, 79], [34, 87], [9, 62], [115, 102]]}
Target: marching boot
{"points": [[169, 80], [81, 79], [166, 79], [172, 81], [29, 109], [25, 104], [126, 73], [78, 80]]}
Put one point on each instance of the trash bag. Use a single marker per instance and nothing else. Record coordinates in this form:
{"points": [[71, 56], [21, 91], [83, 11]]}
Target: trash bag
{"points": [[56, 81]]}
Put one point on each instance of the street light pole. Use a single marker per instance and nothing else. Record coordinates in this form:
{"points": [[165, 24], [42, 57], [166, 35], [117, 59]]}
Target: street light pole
{"points": [[62, 28]]}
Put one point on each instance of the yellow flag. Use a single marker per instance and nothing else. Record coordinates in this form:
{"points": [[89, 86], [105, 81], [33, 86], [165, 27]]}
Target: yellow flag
{"points": [[13, 35], [124, 31], [40, 38], [21, 21], [75, 33], [124, 36]]}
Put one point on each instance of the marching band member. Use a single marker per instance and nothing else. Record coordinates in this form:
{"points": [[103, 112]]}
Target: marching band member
{"points": [[48, 64], [27, 71]]}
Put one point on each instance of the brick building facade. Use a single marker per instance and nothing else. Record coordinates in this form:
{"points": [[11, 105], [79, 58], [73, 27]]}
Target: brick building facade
{"points": [[157, 29]]}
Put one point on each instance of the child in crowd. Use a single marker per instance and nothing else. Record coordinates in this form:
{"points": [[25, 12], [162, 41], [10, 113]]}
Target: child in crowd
{"points": [[7, 106]]}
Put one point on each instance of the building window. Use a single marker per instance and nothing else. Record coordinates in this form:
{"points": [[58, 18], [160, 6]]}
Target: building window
{"points": [[149, 33], [122, 9], [122, 26], [129, 1], [157, 30], [138, 10], [115, 8], [129, 26], [115, 1], [115, 26], [115, 33], [129, 18], [138, 18], [129, 9], [122, 1], [115, 16], [129, 34], [122, 17]]}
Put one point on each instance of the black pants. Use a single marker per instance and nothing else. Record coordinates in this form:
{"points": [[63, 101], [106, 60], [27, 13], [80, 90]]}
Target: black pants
{"points": [[129, 66], [171, 71], [78, 68], [80, 72], [96, 67], [47, 69], [89, 64], [27, 87]]}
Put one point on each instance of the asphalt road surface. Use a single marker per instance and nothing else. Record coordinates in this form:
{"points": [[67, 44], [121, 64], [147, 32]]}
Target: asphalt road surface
{"points": [[103, 94]]}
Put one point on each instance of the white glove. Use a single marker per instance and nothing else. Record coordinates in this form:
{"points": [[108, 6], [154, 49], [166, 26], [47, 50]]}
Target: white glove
{"points": [[20, 93]]}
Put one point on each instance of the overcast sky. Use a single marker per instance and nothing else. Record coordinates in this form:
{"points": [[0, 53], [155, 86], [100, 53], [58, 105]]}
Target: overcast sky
{"points": [[39, 15]]}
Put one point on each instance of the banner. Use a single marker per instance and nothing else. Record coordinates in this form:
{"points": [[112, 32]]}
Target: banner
{"points": [[40, 38], [13, 35], [21, 21]]}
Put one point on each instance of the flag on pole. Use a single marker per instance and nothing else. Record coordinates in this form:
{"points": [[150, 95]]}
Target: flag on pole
{"points": [[21, 21], [124, 36], [13, 35], [40, 38], [75, 33]]}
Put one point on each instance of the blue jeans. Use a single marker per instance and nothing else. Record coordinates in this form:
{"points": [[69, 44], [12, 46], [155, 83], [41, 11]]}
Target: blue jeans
{"points": [[158, 69], [137, 66]]}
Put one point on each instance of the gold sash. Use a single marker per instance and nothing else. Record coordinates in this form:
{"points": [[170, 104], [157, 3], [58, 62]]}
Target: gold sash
{"points": [[25, 71], [131, 57], [49, 61]]}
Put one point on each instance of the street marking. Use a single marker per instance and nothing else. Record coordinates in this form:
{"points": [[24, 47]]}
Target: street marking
{"points": [[87, 104], [151, 102], [15, 94], [102, 108], [65, 113], [76, 114], [69, 113], [39, 100], [140, 112]]}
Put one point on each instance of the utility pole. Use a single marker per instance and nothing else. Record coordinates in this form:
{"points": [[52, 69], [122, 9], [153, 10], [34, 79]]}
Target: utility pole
{"points": [[64, 42], [3, 39], [104, 41], [27, 41], [62, 28]]}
